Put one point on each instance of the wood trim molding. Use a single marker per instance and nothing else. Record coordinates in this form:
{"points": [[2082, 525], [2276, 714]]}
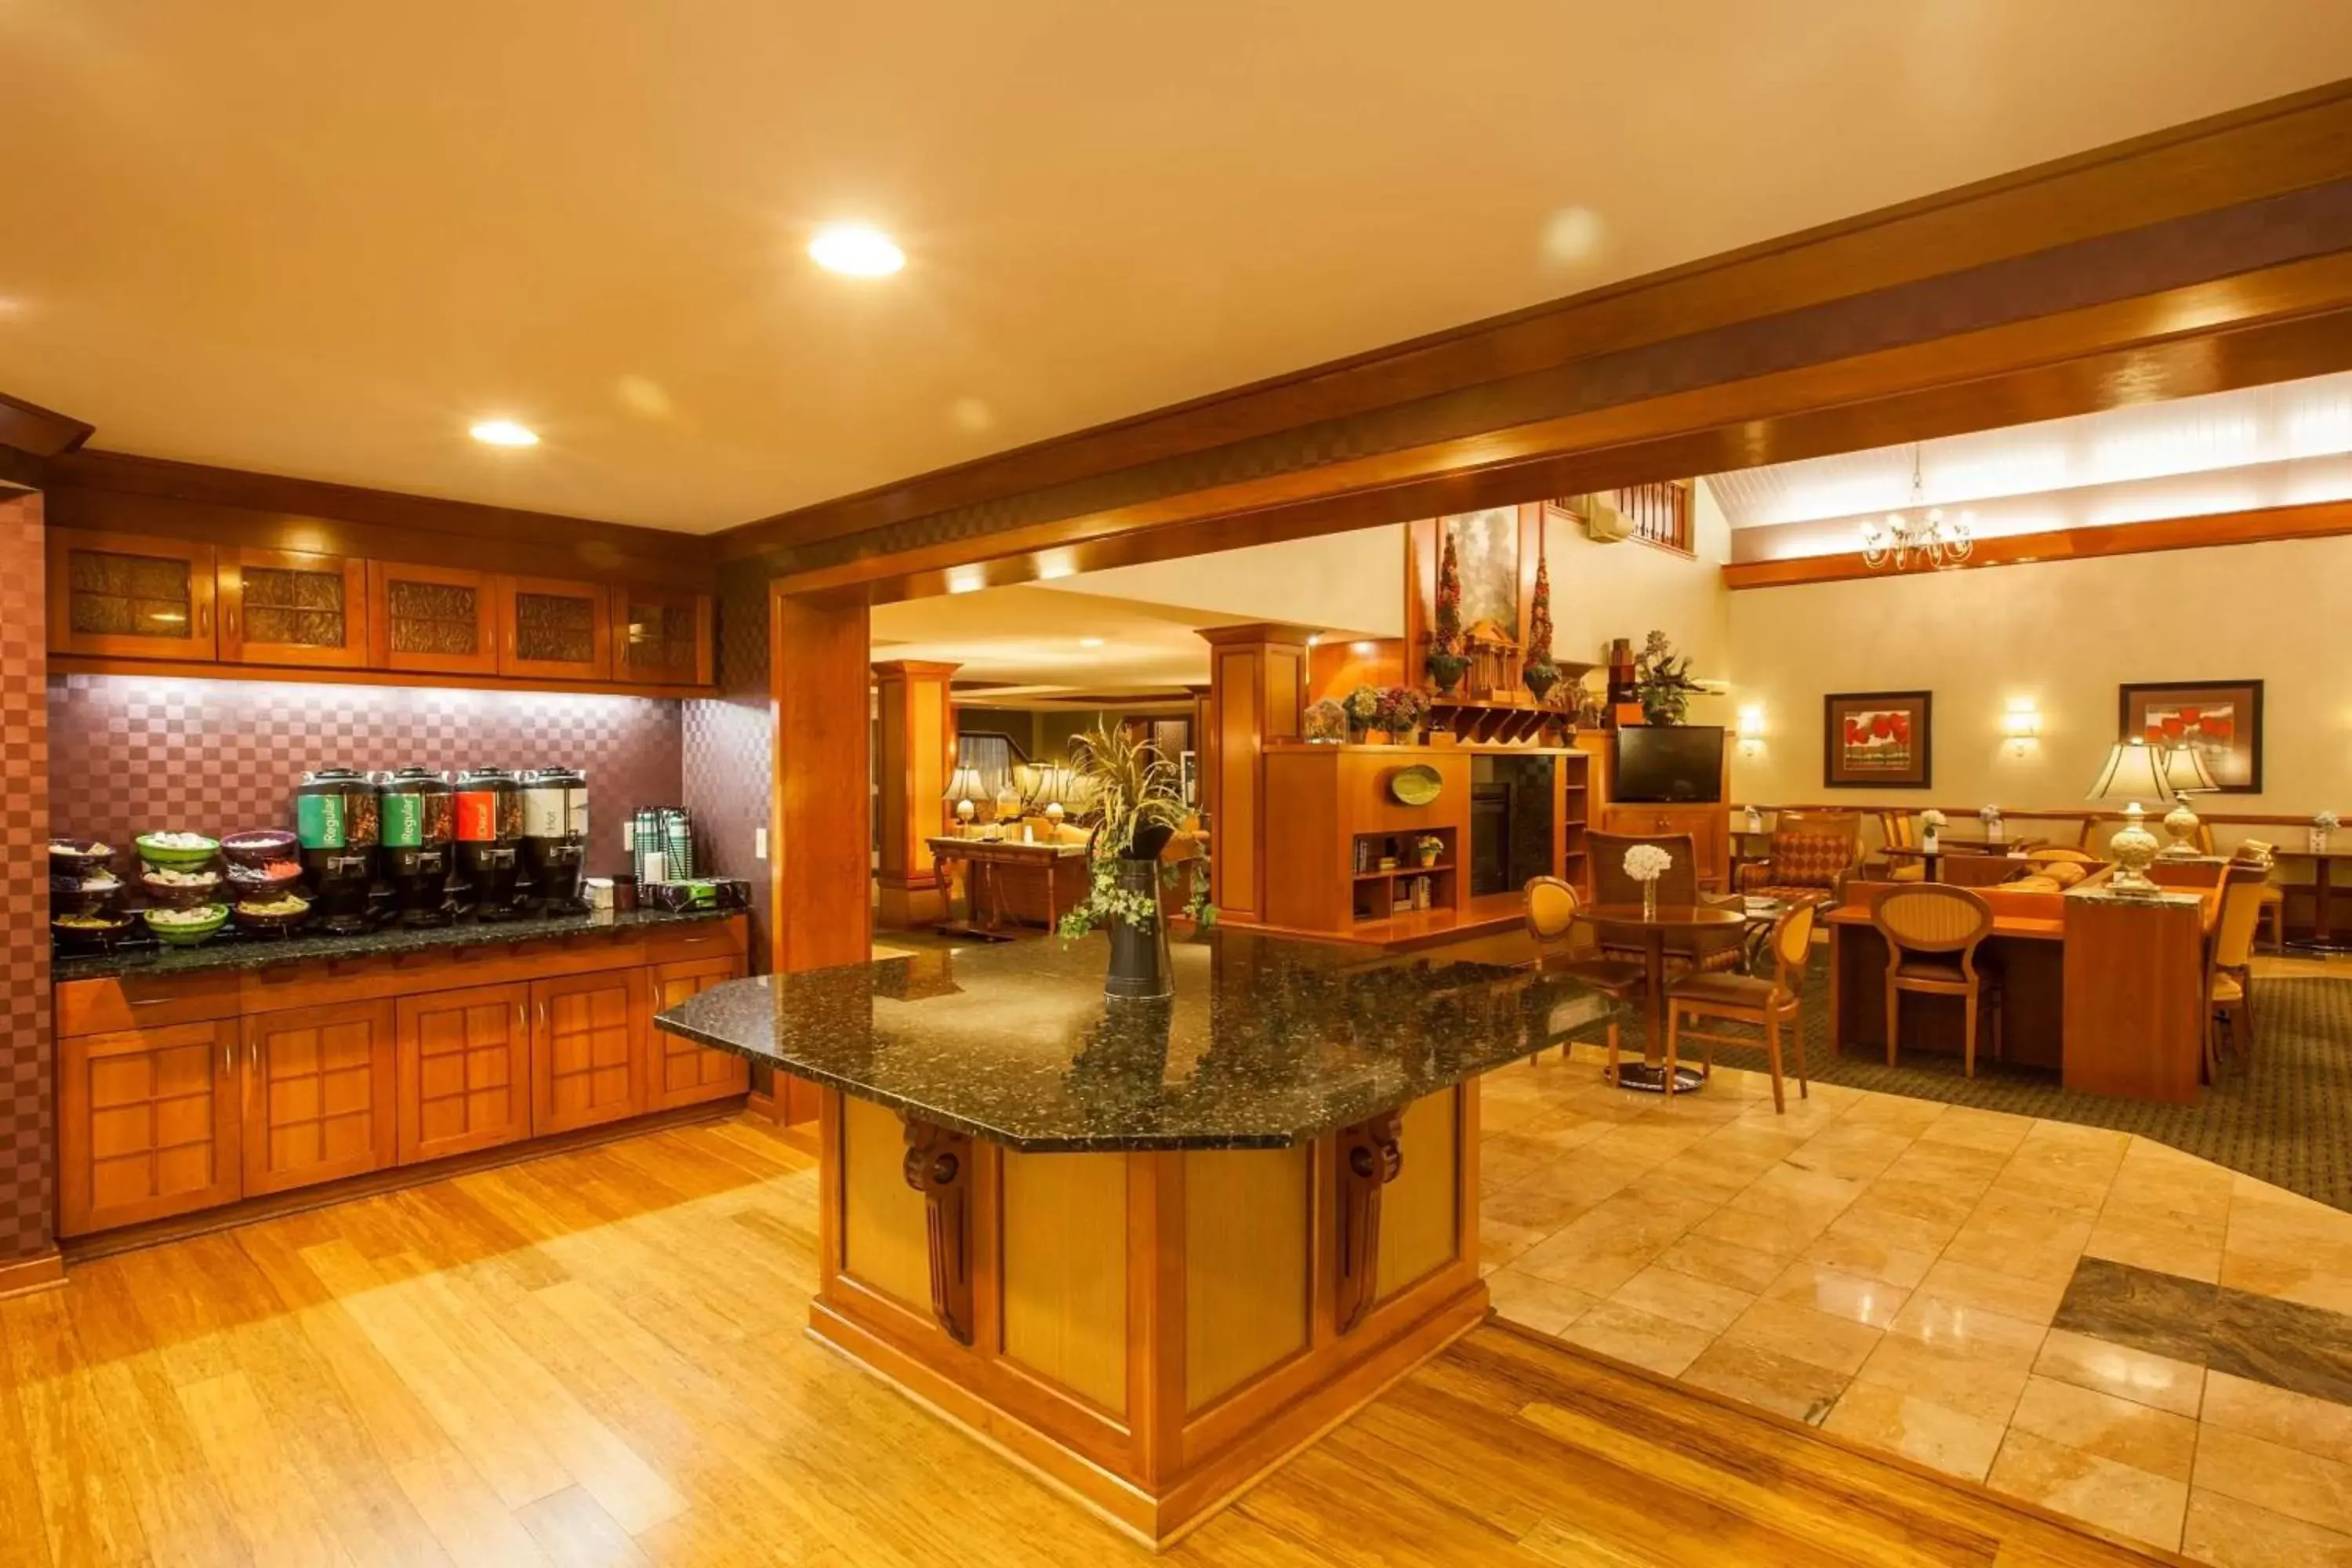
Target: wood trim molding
{"points": [[2082, 256], [41, 1271], [202, 669], [2320, 520], [39, 432]]}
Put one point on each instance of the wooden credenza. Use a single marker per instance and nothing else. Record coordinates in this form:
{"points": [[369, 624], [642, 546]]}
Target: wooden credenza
{"points": [[177, 1094]]}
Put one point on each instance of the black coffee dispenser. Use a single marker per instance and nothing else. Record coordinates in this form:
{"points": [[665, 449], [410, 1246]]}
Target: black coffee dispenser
{"points": [[337, 817], [555, 838], [418, 837], [489, 841]]}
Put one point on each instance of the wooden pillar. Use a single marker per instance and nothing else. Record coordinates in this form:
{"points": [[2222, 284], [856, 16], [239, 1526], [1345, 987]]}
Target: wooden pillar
{"points": [[1258, 688], [1204, 746], [821, 830], [916, 734]]}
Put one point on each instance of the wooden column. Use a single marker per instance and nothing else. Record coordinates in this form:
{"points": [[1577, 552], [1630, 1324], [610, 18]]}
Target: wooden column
{"points": [[1258, 688], [917, 737], [821, 830]]}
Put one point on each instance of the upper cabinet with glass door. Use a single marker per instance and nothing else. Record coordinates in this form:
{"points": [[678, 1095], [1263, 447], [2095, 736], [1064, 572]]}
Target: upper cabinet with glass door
{"points": [[126, 595], [554, 630], [661, 636], [283, 606]]}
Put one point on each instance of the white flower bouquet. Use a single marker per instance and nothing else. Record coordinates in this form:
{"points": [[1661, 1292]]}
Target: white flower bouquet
{"points": [[2326, 822], [1646, 862], [1931, 817]]}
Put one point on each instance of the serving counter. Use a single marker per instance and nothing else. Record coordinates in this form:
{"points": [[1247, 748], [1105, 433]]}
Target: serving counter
{"points": [[1149, 1249]]}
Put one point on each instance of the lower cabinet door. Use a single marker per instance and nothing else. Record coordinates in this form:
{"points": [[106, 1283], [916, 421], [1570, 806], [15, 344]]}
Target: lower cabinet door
{"points": [[587, 1049], [147, 1124], [682, 1072], [464, 1070], [317, 1095]]}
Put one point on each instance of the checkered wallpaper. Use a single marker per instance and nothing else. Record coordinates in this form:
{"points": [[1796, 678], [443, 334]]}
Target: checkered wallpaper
{"points": [[25, 1138], [133, 753], [730, 746]]}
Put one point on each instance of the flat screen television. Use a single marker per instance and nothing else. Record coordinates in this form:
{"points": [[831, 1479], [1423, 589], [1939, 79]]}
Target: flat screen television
{"points": [[1660, 764]]}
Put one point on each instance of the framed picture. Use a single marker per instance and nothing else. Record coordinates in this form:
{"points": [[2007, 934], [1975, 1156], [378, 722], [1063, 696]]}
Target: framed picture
{"points": [[1877, 739], [2222, 719]]}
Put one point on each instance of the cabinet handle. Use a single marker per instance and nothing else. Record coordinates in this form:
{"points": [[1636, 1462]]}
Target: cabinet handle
{"points": [[543, 1014], [523, 1020], [205, 622], [228, 1057], [228, 623]]}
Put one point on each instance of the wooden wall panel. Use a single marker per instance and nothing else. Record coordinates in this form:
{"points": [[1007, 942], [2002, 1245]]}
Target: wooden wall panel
{"points": [[1420, 1210], [1064, 1270], [1247, 1265], [1237, 874], [915, 737], [820, 840], [884, 1243]]}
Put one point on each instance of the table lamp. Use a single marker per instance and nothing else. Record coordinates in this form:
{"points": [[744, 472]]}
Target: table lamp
{"points": [[2185, 771], [2135, 772], [1052, 785], [963, 787]]}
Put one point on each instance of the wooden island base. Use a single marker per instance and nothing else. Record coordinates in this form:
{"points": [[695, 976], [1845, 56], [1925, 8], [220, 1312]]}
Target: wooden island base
{"points": [[1150, 1331]]}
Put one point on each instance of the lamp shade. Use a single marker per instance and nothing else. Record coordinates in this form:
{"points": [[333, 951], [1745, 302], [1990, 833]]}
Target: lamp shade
{"points": [[964, 784], [2185, 770], [2135, 772]]}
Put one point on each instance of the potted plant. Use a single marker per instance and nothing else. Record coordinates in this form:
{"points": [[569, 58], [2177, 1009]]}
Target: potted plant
{"points": [[1931, 824], [2322, 825], [1662, 681], [1428, 847], [1990, 817], [1363, 710], [1403, 711], [1446, 662], [1541, 674], [1134, 807]]}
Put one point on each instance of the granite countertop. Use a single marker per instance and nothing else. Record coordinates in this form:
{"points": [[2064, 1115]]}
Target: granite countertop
{"points": [[256, 952], [1266, 1042]]}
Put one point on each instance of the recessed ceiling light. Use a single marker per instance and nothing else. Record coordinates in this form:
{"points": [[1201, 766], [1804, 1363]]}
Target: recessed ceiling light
{"points": [[856, 249], [1090, 642], [504, 433]]}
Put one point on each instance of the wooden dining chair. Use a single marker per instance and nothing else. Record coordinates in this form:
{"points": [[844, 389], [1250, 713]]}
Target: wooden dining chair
{"points": [[1760, 1004], [1605, 853], [2229, 973], [1897, 830], [1931, 934], [1551, 911]]}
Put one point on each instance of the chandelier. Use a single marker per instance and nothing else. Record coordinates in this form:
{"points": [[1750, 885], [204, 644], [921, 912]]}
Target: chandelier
{"points": [[1931, 541]]}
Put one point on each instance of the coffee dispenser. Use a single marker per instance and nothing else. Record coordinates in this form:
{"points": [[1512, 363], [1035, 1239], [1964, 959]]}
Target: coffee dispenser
{"points": [[337, 816], [418, 838], [555, 837], [489, 841]]}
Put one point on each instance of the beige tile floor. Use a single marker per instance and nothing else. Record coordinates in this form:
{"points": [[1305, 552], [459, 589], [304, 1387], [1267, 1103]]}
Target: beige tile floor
{"points": [[1888, 1268]]}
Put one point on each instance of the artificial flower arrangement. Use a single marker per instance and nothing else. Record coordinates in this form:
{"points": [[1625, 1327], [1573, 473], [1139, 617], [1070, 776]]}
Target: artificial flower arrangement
{"points": [[1446, 663], [1990, 816], [1931, 822], [1662, 681], [1363, 709], [1428, 846], [1647, 862], [1541, 674], [2322, 823], [1401, 710]]}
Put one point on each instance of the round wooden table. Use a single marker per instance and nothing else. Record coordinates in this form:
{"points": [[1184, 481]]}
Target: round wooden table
{"points": [[1625, 925]]}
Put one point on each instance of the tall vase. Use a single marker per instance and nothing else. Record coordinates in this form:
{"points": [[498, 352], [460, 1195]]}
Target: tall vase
{"points": [[1650, 899], [1141, 965]]}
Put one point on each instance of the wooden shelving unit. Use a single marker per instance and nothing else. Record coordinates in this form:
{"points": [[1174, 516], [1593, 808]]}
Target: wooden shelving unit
{"points": [[1381, 894]]}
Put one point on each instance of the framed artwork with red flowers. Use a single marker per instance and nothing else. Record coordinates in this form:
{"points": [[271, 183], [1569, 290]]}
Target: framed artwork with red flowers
{"points": [[1877, 739], [2221, 719]]}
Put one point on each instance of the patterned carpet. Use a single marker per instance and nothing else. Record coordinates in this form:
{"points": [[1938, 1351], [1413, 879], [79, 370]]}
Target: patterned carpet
{"points": [[2284, 1115]]}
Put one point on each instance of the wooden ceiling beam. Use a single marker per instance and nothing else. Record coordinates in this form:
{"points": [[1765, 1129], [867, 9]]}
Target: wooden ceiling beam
{"points": [[39, 432]]}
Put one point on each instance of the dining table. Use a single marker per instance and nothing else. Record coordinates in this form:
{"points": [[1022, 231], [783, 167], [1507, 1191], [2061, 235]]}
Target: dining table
{"points": [[1631, 925], [1969, 844]]}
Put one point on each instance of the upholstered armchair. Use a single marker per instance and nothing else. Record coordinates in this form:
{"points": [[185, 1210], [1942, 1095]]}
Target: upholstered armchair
{"points": [[1813, 856]]}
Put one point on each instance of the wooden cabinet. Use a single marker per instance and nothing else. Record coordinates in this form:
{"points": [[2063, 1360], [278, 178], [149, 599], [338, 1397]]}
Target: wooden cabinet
{"points": [[125, 595], [661, 636], [587, 1049], [464, 1070], [318, 1102], [147, 1124], [679, 1071], [285, 606], [435, 620], [554, 630]]}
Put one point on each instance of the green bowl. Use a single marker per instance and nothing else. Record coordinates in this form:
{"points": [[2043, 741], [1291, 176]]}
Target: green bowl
{"points": [[162, 855], [187, 934]]}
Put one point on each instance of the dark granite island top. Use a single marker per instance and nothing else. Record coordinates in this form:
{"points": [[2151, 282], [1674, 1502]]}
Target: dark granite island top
{"points": [[233, 951], [1266, 1042]]}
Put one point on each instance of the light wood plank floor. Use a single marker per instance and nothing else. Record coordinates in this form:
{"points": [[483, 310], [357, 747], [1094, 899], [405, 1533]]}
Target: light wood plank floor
{"points": [[598, 1358]]}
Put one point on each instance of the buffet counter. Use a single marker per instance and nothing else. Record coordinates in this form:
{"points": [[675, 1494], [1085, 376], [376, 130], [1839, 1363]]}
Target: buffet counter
{"points": [[1151, 1248]]}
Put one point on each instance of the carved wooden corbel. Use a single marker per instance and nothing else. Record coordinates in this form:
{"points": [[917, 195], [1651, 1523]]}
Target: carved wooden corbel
{"points": [[938, 1166], [1369, 1159]]}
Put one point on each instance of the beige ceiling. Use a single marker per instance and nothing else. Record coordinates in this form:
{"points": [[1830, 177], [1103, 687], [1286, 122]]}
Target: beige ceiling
{"points": [[1035, 641], [321, 239]]}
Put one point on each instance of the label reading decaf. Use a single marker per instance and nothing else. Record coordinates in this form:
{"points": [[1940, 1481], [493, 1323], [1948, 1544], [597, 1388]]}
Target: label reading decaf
{"points": [[318, 821], [404, 819], [477, 817]]}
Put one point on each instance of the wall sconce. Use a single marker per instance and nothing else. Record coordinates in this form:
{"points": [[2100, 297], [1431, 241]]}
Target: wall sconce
{"points": [[1749, 729], [2022, 724]]}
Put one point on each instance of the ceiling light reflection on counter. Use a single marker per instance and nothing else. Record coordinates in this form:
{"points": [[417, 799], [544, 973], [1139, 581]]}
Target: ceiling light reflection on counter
{"points": [[855, 250], [504, 433]]}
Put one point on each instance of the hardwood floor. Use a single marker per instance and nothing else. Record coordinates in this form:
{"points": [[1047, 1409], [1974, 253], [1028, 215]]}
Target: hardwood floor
{"points": [[598, 1358]]}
